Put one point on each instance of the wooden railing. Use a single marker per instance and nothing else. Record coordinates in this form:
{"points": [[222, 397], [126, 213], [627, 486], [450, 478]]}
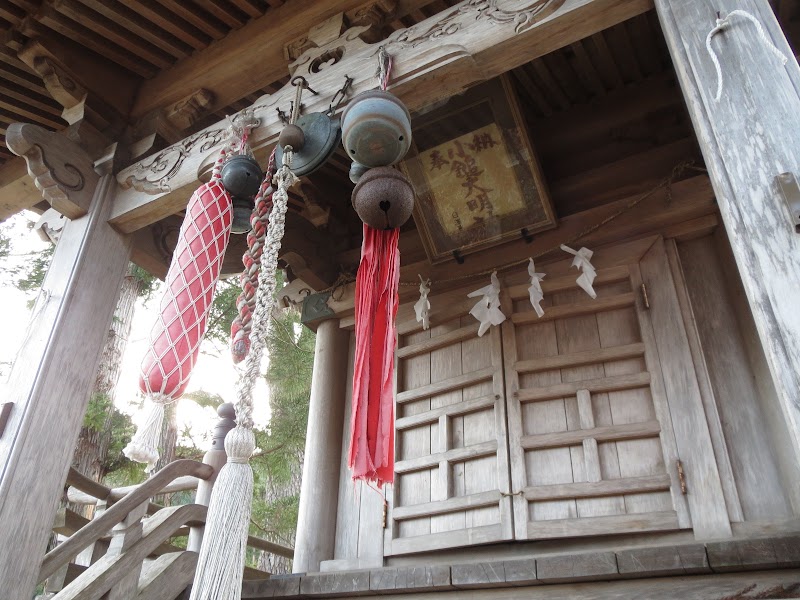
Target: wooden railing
{"points": [[118, 512], [124, 539]]}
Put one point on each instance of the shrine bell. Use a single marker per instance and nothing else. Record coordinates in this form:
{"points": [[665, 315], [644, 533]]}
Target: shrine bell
{"points": [[383, 198], [241, 176], [376, 129]]}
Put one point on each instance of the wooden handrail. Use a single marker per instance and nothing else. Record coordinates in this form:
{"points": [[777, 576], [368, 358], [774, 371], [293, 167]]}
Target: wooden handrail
{"points": [[267, 546], [109, 570], [81, 482], [63, 553], [78, 495]]}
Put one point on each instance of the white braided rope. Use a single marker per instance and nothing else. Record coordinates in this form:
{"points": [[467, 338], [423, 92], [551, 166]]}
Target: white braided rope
{"points": [[219, 567], [284, 179], [723, 24]]}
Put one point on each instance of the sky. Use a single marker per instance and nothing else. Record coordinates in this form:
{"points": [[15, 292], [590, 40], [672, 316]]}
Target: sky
{"points": [[214, 371]]}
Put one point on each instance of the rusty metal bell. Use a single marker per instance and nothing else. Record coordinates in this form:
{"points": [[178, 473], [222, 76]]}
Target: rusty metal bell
{"points": [[376, 129], [241, 176], [383, 198]]}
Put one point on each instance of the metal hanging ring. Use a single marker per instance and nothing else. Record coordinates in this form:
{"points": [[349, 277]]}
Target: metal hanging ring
{"points": [[303, 82]]}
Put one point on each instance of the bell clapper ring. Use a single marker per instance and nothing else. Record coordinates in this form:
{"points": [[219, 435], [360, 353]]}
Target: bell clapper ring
{"points": [[303, 84]]}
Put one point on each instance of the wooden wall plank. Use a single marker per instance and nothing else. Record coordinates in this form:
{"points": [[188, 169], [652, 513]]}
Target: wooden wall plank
{"points": [[747, 138], [752, 456], [707, 502], [709, 402]]}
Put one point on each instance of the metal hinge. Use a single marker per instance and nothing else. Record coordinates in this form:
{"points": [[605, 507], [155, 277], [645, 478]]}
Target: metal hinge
{"points": [[681, 477], [645, 299]]}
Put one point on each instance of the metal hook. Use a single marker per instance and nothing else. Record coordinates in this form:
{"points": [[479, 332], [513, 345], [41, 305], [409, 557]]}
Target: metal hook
{"points": [[304, 83], [341, 94]]}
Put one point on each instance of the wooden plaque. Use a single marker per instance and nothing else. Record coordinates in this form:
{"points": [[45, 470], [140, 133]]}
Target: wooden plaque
{"points": [[475, 174]]}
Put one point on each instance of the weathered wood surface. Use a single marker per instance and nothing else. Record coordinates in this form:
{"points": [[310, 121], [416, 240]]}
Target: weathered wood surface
{"points": [[316, 522], [451, 489], [715, 427], [434, 59], [167, 576], [610, 413], [750, 444], [109, 571], [63, 553], [19, 192], [52, 379], [706, 499], [59, 167], [692, 199], [718, 570], [747, 138], [228, 69]]}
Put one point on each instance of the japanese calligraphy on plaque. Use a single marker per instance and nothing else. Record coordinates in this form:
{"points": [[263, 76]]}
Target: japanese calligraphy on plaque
{"points": [[475, 174]]}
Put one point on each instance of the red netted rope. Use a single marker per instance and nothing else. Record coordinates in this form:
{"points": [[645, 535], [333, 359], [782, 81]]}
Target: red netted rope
{"points": [[246, 302], [176, 335], [372, 418]]}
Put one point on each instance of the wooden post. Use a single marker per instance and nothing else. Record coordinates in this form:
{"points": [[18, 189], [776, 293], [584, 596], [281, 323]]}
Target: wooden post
{"points": [[748, 137], [319, 492], [55, 369], [216, 457]]}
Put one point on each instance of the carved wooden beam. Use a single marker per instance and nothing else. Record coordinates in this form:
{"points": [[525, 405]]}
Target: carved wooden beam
{"points": [[433, 60], [60, 168], [17, 190], [247, 59], [93, 122]]}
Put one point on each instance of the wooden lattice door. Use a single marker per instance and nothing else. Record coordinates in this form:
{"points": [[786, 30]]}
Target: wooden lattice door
{"points": [[451, 483], [568, 425], [591, 440]]}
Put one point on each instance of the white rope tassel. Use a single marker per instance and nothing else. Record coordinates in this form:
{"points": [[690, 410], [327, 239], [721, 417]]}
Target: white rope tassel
{"points": [[143, 447], [219, 566], [723, 24]]}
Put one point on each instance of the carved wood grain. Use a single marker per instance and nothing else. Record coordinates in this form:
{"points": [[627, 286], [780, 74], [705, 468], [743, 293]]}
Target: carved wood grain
{"points": [[61, 169]]}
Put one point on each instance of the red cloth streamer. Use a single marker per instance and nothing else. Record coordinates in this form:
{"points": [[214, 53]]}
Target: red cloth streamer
{"points": [[193, 273], [372, 419]]}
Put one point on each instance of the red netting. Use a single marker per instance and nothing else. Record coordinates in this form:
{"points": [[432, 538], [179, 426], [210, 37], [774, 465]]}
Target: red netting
{"points": [[372, 419], [193, 273]]}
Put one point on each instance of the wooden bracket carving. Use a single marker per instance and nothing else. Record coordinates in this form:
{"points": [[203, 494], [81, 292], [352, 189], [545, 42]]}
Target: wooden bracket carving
{"points": [[93, 123], [60, 168], [185, 112], [61, 85], [375, 15], [326, 43], [317, 58]]}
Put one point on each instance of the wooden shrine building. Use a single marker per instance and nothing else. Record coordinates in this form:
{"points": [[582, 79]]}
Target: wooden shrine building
{"points": [[644, 443]]}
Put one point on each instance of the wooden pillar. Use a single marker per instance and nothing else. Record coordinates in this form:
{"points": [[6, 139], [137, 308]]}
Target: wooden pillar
{"points": [[55, 369], [748, 137], [216, 457], [319, 492]]}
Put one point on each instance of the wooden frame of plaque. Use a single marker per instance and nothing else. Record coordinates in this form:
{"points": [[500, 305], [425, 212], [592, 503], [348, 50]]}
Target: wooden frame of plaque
{"points": [[476, 177]]}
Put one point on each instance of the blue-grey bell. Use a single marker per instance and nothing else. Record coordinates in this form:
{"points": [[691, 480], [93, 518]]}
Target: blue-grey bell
{"points": [[376, 129], [242, 210], [241, 176]]}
